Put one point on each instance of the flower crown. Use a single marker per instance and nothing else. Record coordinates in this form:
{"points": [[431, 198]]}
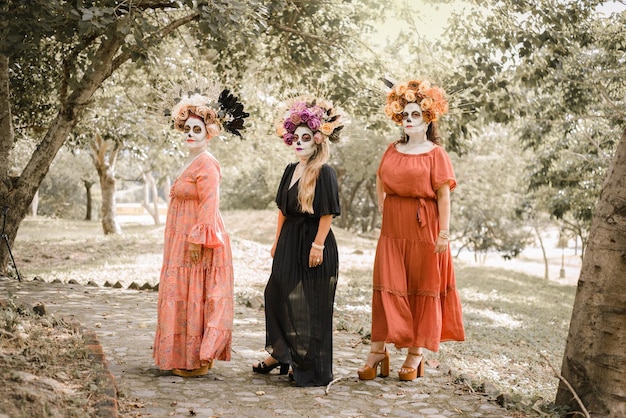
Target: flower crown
{"points": [[227, 112], [319, 115], [431, 99]]}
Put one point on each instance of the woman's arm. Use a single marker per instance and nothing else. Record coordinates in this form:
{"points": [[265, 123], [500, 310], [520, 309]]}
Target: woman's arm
{"points": [[279, 227], [316, 255], [443, 206], [380, 194]]}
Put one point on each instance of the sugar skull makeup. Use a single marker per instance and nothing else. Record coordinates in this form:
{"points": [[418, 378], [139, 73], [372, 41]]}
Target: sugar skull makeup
{"points": [[195, 134], [303, 142], [412, 120]]}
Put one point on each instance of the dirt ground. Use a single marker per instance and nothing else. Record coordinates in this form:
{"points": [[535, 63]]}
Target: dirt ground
{"points": [[45, 367]]}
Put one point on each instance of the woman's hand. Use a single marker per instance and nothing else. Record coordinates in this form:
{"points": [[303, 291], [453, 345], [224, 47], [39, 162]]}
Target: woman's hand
{"points": [[195, 252], [316, 257], [441, 245], [273, 250]]}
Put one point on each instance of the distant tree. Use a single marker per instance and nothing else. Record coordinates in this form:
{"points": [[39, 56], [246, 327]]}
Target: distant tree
{"points": [[63, 191], [490, 191]]}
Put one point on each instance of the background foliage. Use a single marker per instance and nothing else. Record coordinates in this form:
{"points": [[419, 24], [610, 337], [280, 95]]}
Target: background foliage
{"points": [[535, 80]]}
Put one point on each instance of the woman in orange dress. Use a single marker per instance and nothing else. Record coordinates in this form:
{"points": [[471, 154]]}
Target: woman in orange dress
{"points": [[415, 304], [195, 307]]}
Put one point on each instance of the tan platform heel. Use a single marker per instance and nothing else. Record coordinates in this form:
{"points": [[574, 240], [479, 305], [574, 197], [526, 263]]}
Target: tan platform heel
{"points": [[203, 370], [406, 374], [369, 373]]}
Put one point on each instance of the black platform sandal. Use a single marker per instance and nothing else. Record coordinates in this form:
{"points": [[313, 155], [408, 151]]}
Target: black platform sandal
{"points": [[263, 368]]}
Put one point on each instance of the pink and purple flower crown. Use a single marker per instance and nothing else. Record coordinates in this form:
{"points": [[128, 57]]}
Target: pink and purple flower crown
{"points": [[319, 115]]}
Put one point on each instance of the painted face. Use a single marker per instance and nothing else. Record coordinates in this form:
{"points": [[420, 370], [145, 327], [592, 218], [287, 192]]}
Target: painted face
{"points": [[412, 120], [303, 141], [195, 133]]}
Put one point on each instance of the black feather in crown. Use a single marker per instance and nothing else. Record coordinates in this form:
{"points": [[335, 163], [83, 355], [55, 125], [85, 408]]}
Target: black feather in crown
{"points": [[387, 82], [231, 112]]}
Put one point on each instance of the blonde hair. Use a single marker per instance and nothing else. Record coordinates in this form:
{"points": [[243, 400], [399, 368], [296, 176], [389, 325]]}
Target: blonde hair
{"points": [[306, 190]]}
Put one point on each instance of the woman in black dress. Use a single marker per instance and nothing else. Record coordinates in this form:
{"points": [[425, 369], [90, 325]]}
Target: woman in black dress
{"points": [[300, 293]]}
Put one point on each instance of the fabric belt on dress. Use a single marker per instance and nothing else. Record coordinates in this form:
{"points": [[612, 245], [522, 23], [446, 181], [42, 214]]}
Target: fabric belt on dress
{"points": [[302, 223], [421, 204]]}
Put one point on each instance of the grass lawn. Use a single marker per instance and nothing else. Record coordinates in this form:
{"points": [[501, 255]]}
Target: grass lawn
{"points": [[515, 322]]}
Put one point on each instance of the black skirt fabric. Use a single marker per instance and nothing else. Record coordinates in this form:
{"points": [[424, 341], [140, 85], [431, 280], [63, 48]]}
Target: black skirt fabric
{"points": [[299, 300]]}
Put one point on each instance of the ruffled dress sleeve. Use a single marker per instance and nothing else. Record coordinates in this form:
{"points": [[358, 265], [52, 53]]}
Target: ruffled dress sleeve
{"points": [[326, 200], [442, 171], [207, 230]]}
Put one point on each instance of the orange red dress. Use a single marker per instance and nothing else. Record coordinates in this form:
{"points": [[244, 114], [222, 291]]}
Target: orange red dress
{"points": [[195, 308], [415, 302]]}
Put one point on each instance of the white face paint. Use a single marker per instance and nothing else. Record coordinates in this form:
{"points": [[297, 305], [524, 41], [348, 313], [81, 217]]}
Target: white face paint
{"points": [[303, 142], [412, 121], [195, 133]]}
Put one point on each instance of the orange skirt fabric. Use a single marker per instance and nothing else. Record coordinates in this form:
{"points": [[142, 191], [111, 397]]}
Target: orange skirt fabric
{"points": [[415, 302]]}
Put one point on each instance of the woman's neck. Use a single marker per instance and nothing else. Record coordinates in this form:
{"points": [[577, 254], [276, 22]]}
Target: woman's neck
{"points": [[416, 139], [193, 153], [415, 147]]}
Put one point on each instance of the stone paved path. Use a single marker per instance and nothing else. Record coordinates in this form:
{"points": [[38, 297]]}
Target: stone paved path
{"points": [[125, 320]]}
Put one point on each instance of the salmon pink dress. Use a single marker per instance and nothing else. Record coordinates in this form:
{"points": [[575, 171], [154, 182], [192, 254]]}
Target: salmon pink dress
{"points": [[195, 308], [415, 302]]}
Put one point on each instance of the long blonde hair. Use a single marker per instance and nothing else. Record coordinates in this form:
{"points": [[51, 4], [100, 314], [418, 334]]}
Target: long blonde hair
{"points": [[306, 189]]}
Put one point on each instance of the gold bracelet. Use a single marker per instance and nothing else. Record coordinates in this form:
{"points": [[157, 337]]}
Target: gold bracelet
{"points": [[444, 233], [317, 246]]}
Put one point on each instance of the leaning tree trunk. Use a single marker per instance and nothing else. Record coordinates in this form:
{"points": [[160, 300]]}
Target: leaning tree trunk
{"points": [[594, 362], [17, 192]]}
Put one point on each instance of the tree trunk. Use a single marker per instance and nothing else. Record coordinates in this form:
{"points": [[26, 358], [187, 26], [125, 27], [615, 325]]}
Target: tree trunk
{"points": [[151, 204], [109, 216], [105, 166], [594, 362], [88, 184], [17, 193]]}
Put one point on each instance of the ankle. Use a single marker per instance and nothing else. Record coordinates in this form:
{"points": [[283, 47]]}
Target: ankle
{"points": [[270, 361]]}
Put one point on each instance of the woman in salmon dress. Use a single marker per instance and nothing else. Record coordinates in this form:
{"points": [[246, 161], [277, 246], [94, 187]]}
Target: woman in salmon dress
{"points": [[195, 305], [415, 303]]}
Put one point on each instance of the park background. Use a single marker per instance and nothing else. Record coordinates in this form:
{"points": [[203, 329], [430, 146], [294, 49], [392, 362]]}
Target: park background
{"points": [[536, 93]]}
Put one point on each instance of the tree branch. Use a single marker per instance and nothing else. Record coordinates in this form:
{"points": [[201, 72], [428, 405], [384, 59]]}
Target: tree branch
{"points": [[302, 34], [571, 389], [171, 27]]}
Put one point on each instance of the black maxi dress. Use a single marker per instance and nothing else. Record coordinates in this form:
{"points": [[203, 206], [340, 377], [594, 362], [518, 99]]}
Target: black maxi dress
{"points": [[298, 299]]}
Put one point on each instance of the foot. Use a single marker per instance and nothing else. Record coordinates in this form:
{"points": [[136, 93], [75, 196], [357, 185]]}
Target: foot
{"points": [[268, 362], [413, 366], [413, 359], [368, 372], [373, 359], [268, 365]]}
